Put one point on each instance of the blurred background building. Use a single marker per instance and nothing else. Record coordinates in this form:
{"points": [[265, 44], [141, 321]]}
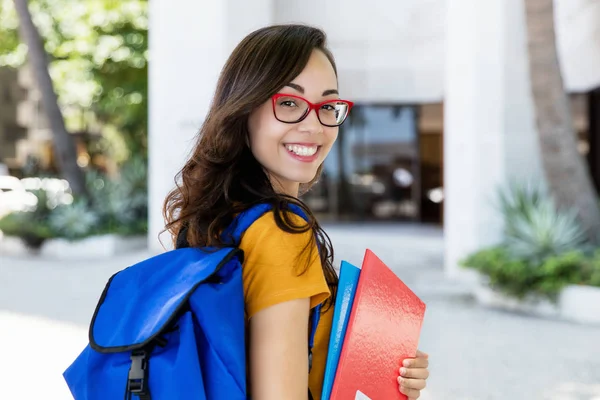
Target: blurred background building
{"points": [[444, 119], [25, 133], [443, 104], [444, 107]]}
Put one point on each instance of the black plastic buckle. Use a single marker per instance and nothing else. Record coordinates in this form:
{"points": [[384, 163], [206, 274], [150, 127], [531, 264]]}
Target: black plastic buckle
{"points": [[137, 380]]}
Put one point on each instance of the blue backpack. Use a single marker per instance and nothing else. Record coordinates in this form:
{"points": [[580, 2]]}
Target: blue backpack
{"points": [[172, 327]]}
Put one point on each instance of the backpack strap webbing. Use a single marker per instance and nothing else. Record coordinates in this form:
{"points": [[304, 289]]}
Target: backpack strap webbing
{"points": [[234, 234]]}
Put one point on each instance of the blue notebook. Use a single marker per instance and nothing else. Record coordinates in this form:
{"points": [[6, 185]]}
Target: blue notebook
{"points": [[349, 275]]}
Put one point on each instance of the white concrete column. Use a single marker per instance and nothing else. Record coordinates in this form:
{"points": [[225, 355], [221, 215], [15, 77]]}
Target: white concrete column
{"points": [[189, 43], [489, 133], [576, 26]]}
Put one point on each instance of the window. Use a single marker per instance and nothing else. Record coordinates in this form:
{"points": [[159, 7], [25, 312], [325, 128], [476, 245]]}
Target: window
{"points": [[371, 170]]}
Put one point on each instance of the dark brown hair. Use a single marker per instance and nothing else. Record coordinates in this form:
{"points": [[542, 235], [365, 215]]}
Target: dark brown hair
{"points": [[222, 177]]}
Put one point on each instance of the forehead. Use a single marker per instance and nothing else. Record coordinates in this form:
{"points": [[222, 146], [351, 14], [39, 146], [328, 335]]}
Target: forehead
{"points": [[318, 75]]}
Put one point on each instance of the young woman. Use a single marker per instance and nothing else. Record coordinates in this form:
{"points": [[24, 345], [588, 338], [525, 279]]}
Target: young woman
{"points": [[275, 116]]}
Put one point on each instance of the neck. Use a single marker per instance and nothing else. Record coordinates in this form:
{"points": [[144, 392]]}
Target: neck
{"points": [[283, 187]]}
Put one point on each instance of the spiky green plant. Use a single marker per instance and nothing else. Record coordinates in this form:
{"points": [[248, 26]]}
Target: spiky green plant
{"points": [[73, 221], [534, 229]]}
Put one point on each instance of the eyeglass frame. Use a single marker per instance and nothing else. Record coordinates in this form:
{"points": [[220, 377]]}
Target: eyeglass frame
{"points": [[311, 106]]}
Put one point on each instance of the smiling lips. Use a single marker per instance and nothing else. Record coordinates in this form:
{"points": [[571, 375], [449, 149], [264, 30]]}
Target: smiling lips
{"points": [[303, 152]]}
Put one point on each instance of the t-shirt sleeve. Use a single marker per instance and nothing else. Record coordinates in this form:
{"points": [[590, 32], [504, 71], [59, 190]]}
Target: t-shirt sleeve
{"points": [[280, 266]]}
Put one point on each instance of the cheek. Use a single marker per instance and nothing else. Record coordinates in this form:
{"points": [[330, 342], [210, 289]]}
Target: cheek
{"points": [[268, 136], [256, 122], [258, 125], [265, 133], [331, 135]]}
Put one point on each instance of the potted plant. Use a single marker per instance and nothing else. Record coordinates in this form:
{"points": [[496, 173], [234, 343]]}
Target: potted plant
{"points": [[544, 265], [113, 219]]}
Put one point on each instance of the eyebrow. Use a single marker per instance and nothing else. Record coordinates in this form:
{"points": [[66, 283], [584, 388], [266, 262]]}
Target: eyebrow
{"points": [[301, 89]]}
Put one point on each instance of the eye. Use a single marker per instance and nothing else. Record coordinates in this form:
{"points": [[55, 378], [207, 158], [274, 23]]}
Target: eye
{"points": [[328, 107], [288, 103]]}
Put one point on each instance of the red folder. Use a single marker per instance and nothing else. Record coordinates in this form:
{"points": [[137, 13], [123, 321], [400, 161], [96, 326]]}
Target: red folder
{"points": [[383, 330]]}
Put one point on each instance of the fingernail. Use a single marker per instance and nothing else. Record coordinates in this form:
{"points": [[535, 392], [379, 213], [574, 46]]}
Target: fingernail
{"points": [[407, 363], [400, 380], [402, 371]]}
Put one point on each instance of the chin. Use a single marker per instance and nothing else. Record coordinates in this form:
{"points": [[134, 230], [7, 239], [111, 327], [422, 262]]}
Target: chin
{"points": [[301, 178]]}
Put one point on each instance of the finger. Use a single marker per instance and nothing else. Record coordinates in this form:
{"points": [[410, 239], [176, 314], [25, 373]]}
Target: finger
{"points": [[410, 393], [416, 363], [417, 373], [421, 354], [417, 384]]}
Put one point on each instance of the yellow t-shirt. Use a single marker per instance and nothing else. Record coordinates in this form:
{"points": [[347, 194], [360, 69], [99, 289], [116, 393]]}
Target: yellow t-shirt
{"points": [[273, 260]]}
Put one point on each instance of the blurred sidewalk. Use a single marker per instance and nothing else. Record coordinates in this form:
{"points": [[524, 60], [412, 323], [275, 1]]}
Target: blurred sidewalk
{"points": [[414, 252], [476, 354]]}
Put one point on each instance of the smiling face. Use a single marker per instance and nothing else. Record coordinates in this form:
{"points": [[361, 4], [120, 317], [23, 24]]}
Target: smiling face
{"points": [[291, 153]]}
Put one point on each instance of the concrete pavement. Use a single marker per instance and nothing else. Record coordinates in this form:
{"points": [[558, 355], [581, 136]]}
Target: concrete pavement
{"points": [[476, 353]]}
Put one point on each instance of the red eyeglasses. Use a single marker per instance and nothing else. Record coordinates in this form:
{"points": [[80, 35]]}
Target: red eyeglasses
{"points": [[290, 109]]}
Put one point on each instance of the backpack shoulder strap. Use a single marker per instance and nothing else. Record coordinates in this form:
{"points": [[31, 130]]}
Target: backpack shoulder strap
{"points": [[234, 234], [246, 218], [243, 221], [237, 229]]}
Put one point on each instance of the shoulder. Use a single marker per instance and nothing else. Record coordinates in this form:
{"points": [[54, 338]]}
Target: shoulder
{"points": [[266, 230], [268, 220], [280, 266]]}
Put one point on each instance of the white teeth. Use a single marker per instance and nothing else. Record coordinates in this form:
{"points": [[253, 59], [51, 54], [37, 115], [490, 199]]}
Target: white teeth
{"points": [[306, 151]]}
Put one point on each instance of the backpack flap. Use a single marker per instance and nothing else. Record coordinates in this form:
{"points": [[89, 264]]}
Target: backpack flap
{"points": [[141, 302]]}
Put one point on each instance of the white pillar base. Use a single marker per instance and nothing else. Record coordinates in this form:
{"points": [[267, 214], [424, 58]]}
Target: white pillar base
{"points": [[489, 134]]}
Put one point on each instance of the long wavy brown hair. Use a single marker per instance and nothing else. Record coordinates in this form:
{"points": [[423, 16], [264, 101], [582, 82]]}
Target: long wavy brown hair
{"points": [[222, 177]]}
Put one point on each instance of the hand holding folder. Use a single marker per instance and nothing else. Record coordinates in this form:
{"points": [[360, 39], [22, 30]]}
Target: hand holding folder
{"points": [[377, 328]]}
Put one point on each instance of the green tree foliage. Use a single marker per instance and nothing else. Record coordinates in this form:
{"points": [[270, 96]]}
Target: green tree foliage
{"points": [[98, 62]]}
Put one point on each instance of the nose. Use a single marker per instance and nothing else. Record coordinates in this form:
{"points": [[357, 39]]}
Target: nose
{"points": [[311, 123]]}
